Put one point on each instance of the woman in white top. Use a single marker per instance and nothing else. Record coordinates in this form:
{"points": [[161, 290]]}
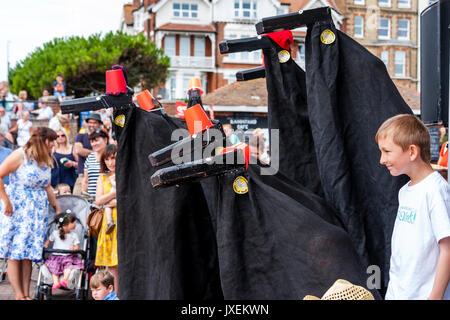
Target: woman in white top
{"points": [[24, 128]]}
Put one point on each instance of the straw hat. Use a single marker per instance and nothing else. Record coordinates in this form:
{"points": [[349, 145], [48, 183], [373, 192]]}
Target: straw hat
{"points": [[63, 117], [344, 290]]}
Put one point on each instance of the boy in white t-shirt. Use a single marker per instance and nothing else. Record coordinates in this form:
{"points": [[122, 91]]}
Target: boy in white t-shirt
{"points": [[420, 247]]}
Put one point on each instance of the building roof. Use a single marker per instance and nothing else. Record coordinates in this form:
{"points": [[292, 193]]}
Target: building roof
{"points": [[239, 93], [254, 93], [411, 97], [187, 27]]}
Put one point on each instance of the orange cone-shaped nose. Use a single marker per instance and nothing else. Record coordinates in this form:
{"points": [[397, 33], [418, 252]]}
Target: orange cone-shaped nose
{"points": [[195, 84], [196, 119], [115, 82], [240, 145], [145, 100]]}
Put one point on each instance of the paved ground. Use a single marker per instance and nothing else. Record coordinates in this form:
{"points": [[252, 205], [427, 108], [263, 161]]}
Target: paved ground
{"points": [[7, 293]]}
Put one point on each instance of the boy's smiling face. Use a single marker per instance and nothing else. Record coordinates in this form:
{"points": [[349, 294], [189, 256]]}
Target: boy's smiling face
{"points": [[393, 157]]}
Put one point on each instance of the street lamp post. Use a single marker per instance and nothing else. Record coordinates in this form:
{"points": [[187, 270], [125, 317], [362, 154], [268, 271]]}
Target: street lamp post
{"points": [[7, 58]]}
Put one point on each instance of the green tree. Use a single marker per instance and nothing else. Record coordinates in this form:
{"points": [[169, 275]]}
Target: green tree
{"points": [[83, 63]]}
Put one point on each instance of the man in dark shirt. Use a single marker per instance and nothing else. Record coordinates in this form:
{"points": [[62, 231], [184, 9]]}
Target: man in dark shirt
{"points": [[83, 147]]}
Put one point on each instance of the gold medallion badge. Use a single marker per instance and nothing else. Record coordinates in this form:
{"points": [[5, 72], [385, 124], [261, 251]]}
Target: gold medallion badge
{"points": [[327, 36], [284, 56], [120, 120], [240, 185]]}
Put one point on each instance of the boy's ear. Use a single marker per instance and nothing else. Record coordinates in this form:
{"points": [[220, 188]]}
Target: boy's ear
{"points": [[110, 288], [414, 152]]}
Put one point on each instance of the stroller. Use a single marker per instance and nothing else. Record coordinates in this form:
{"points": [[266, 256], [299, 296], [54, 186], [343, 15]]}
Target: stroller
{"points": [[78, 279]]}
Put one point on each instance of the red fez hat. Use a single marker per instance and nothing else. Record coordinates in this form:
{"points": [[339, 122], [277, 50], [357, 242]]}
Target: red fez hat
{"points": [[196, 119], [145, 100], [115, 82]]}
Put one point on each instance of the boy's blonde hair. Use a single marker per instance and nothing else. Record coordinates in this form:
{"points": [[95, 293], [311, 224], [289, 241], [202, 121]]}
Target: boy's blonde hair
{"points": [[102, 277], [405, 130]]}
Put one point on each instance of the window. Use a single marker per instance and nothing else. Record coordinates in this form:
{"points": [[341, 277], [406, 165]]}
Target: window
{"points": [[301, 51], [199, 47], [230, 77], [385, 58], [400, 61], [186, 78], [245, 9], [176, 9], [194, 10], [404, 4], [232, 56], [185, 10], [358, 1], [283, 10], [384, 3], [185, 46], [301, 55], [403, 29], [384, 26], [244, 56], [169, 46], [257, 56], [359, 27], [173, 85], [138, 24]]}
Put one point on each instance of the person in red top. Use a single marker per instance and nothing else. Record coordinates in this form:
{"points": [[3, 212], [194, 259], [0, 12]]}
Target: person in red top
{"points": [[443, 155]]}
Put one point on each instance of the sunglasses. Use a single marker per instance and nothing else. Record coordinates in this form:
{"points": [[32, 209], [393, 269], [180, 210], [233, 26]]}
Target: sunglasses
{"points": [[60, 135]]}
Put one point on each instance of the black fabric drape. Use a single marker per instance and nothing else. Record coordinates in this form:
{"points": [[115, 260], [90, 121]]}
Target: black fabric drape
{"points": [[278, 241], [166, 242], [288, 113], [271, 246], [349, 95]]}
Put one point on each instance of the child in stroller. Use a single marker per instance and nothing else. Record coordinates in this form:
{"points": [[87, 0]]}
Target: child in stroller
{"points": [[63, 239], [78, 279]]}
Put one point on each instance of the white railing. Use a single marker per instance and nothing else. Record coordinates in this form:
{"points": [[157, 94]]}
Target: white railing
{"points": [[192, 62]]}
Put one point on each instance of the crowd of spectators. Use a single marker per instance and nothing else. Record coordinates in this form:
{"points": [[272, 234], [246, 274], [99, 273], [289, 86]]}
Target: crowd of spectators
{"points": [[75, 149]]}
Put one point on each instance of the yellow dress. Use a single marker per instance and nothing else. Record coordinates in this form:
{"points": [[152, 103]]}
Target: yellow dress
{"points": [[107, 243]]}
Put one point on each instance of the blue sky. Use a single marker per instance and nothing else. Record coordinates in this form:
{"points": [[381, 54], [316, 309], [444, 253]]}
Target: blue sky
{"points": [[28, 24]]}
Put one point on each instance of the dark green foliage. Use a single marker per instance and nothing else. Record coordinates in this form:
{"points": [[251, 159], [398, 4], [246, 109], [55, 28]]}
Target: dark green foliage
{"points": [[83, 63]]}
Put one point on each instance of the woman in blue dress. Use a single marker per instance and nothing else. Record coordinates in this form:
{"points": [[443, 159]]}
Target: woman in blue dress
{"points": [[24, 207]]}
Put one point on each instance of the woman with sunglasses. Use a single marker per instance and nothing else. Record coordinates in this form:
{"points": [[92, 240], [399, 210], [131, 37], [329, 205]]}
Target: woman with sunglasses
{"points": [[65, 161]]}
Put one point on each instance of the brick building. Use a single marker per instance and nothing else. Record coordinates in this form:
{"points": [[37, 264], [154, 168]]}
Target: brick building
{"points": [[190, 32], [388, 29]]}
